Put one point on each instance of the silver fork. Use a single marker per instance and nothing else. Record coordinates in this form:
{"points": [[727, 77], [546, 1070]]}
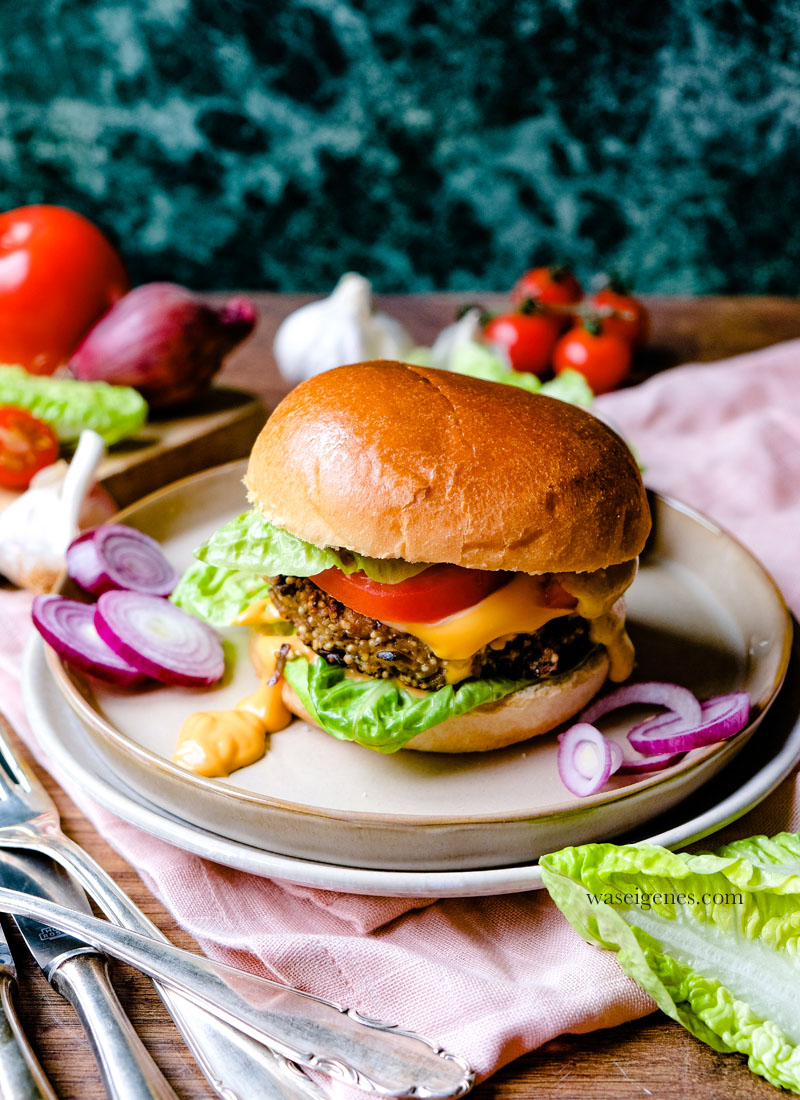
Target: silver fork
{"points": [[236, 1066]]}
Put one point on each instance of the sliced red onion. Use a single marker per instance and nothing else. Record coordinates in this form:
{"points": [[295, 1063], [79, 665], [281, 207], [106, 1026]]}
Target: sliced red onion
{"points": [[585, 759], [617, 755], [159, 638], [115, 556], [721, 717], [639, 765], [652, 693], [68, 626]]}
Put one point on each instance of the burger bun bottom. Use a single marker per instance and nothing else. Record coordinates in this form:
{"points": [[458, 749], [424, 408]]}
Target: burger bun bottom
{"points": [[524, 714]]}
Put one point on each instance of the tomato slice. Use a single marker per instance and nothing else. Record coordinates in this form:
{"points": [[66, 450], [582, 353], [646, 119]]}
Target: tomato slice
{"points": [[27, 445], [439, 591]]}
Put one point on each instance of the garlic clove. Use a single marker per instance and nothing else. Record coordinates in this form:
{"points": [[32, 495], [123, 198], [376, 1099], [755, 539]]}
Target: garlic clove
{"points": [[337, 330], [37, 528]]}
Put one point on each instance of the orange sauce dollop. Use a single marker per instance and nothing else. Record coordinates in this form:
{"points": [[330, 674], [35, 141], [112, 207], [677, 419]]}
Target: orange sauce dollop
{"points": [[216, 742]]}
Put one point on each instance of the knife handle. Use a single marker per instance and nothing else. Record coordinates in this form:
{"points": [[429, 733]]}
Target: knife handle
{"points": [[126, 1068], [21, 1076]]}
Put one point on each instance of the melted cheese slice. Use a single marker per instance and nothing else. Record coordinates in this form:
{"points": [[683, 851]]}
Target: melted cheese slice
{"points": [[516, 608], [519, 608], [262, 611], [600, 601]]}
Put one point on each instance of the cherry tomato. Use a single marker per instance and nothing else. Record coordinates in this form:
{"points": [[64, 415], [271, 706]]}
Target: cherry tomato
{"points": [[439, 591], [27, 445], [603, 358], [635, 328], [58, 275], [555, 285], [528, 338]]}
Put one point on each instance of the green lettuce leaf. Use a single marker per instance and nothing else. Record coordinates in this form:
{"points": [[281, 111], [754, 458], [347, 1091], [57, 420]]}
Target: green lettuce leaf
{"points": [[713, 938], [480, 362], [570, 386], [381, 714], [251, 543], [219, 595], [69, 406], [775, 853]]}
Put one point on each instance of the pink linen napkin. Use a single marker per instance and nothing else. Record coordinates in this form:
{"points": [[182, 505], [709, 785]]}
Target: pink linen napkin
{"points": [[491, 978]]}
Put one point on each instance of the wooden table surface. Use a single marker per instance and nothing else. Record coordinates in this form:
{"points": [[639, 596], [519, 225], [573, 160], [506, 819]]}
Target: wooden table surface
{"points": [[650, 1058]]}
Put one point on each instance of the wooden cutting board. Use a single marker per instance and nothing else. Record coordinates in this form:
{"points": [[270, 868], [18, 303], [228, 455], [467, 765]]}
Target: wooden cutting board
{"points": [[218, 427]]}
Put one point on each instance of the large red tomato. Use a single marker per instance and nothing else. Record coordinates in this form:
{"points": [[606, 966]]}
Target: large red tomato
{"points": [[58, 275]]}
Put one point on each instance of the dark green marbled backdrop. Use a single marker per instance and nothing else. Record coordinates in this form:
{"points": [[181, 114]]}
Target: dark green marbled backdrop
{"points": [[427, 145]]}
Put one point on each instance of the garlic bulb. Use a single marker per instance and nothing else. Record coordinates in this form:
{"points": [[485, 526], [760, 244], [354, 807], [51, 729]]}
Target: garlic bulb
{"points": [[37, 528], [463, 331], [337, 330]]}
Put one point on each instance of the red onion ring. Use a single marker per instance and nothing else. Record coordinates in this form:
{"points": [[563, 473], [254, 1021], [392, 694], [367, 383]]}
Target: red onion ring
{"points": [[116, 556], [68, 626], [159, 638], [721, 717], [652, 693], [585, 759], [639, 765]]}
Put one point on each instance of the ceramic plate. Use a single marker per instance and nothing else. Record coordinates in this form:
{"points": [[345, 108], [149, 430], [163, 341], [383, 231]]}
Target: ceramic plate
{"points": [[702, 612], [756, 772]]}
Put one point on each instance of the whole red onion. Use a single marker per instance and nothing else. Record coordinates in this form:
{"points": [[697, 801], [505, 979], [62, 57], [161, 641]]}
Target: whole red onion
{"points": [[163, 340]]}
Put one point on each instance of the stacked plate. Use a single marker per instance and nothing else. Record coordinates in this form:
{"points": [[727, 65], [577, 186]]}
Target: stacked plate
{"points": [[317, 811]]}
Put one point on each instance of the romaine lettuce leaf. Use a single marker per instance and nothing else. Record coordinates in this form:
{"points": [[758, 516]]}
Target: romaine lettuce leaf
{"points": [[570, 386], [69, 406], [218, 595], [381, 714], [478, 361], [775, 853], [712, 938], [251, 543]]}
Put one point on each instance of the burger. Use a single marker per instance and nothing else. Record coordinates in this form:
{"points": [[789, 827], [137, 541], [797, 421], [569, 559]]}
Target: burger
{"points": [[443, 559]]}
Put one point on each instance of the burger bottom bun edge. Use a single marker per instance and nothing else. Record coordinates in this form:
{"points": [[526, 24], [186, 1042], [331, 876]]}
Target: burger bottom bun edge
{"points": [[524, 714]]}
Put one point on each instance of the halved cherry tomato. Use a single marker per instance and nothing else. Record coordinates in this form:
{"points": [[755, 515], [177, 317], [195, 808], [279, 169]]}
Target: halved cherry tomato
{"points": [[439, 591], [554, 285], [58, 275], [635, 328], [527, 337], [27, 445], [601, 357]]}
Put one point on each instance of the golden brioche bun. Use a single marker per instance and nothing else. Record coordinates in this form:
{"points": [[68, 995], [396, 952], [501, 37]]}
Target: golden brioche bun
{"points": [[534, 710], [398, 461]]}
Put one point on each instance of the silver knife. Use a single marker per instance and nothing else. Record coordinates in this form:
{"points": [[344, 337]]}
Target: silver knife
{"points": [[80, 974], [21, 1076]]}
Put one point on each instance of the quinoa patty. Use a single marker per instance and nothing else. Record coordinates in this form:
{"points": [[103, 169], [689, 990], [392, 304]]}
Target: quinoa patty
{"points": [[344, 637]]}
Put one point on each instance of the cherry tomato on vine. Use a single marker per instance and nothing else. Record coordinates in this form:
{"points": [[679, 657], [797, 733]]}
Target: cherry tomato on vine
{"points": [[27, 445], [603, 358], [58, 275], [439, 591], [635, 328], [555, 285], [527, 337]]}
